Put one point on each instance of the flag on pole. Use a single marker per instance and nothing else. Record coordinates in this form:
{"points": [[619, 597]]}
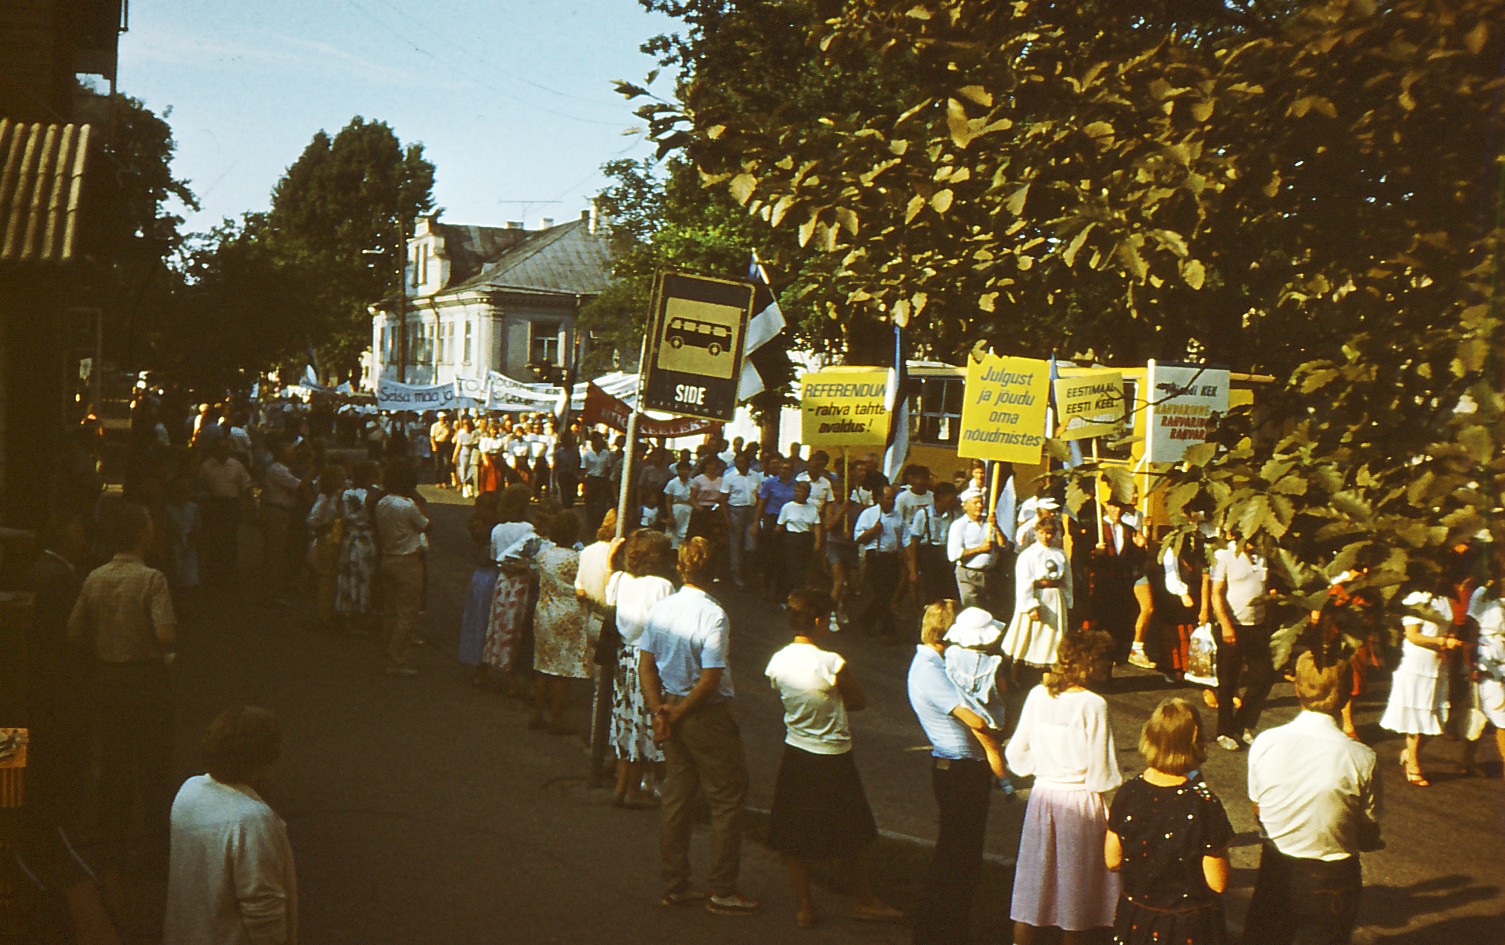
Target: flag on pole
{"points": [[896, 401], [1053, 418], [765, 325]]}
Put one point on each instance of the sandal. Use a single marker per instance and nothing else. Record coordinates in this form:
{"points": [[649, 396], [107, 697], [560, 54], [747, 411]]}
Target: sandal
{"points": [[1414, 777]]}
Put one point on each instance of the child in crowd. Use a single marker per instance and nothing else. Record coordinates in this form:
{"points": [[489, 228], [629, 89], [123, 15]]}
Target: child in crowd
{"points": [[1168, 839], [180, 526]]}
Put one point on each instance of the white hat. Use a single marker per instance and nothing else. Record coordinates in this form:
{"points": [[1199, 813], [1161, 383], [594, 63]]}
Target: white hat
{"points": [[974, 627], [1047, 503], [971, 492]]}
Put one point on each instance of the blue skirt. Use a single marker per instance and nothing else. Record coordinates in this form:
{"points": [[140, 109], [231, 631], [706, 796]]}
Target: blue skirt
{"points": [[477, 615]]}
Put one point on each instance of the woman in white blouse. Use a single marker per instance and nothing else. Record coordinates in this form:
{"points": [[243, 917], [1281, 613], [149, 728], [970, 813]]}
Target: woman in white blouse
{"points": [[646, 562], [1064, 740], [1418, 703], [678, 504]]}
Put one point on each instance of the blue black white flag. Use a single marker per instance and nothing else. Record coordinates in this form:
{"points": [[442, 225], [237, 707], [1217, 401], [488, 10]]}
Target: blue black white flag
{"points": [[758, 359], [896, 401]]}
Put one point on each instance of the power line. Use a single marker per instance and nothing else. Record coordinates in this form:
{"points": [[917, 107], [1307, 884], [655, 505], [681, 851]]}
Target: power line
{"points": [[446, 63]]}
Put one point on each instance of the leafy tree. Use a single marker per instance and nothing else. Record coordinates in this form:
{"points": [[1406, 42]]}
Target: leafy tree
{"points": [[360, 190], [1312, 192]]}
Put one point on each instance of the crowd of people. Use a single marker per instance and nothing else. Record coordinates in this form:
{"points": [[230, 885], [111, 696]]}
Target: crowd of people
{"points": [[1000, 700]]}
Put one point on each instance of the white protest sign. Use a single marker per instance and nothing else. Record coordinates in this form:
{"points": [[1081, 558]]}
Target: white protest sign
{"points": [[1183, 403]]}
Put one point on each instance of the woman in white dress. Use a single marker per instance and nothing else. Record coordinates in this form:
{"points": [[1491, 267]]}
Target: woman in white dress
{"points": [[1418, 704], [680, 506], [1065, 741], [1042, 599]]}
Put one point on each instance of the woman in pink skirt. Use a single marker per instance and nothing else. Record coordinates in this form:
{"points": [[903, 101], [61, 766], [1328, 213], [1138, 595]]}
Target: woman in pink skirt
{"points": [[1063, 738]]}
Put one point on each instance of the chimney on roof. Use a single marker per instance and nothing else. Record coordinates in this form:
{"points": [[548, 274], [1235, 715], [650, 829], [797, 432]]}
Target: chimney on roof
{"points": [[593, 217], [546, 222], [514, 224]]}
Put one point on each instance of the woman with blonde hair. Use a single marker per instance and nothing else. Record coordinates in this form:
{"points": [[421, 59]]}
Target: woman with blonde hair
{"points": [[1168, 839], [1063, 738]]}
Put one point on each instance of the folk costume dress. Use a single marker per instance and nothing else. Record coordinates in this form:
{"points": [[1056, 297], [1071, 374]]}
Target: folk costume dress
{"points": [[1040, 613]]}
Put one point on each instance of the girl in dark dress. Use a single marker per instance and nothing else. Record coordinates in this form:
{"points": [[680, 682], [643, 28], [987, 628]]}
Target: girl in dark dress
{"points": [[1168, 837]]}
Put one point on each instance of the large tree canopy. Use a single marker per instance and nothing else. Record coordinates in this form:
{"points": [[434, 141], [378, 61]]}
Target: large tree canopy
{"points": [[1312, 193], [361, 190]]}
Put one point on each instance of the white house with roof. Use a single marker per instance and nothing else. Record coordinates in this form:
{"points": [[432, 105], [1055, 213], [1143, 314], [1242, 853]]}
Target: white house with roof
{"points": [[484, 298]]}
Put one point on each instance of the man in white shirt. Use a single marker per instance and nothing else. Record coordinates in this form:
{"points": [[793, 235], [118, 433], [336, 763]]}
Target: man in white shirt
{"points": [[929, 536], [1238, 604], [686, 676], [1318, 805], [401, 523], [916, 493], [971, 547], [230, 878], [279, 495], [822, 484], [595, 464], [881, 535], [739, 497]]}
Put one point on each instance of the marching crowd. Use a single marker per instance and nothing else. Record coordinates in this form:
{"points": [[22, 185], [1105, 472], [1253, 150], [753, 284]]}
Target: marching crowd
{"points": [[1000, 700]]}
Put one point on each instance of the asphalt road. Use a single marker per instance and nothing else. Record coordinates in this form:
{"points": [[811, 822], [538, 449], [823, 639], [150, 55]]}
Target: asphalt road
{"points": [[423, 809]]}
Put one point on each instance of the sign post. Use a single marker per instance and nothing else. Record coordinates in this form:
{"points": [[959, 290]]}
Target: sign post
{"points": [[695, 346]]}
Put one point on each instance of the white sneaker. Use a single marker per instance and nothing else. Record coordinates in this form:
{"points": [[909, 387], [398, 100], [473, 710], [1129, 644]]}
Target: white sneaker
{"points": [[1137, 658]]}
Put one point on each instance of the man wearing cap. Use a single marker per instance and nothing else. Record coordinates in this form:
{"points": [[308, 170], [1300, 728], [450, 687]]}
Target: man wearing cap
{"points": [[970, 547]]}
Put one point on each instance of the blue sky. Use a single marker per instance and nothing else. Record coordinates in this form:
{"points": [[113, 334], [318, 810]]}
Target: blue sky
{"points": [[512, 99]]}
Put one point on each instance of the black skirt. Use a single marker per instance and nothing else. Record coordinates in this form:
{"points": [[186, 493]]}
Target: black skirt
{"points": [[819, 808], [1197, 924]]}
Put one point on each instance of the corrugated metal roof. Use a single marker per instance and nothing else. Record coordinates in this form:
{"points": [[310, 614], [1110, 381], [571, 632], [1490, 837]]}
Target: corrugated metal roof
{"points": [[567, 259], [41, 188]]}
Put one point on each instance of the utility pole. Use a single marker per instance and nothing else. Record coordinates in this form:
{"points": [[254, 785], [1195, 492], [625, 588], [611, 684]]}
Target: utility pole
{"points": [[402, 301]]}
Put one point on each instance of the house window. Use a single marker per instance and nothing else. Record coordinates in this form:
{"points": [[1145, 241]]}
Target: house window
{"points": [[465, 348], [423, 264], [939, 407], [439, 330], [544, 346]]}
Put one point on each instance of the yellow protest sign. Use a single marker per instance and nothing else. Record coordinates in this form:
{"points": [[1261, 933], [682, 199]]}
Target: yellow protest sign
{"points": [[1089, 405], [844, 407], [1003, 409]]}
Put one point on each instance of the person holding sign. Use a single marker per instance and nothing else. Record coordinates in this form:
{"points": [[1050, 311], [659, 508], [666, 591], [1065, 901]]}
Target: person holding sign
{"points": [[970, 547]]}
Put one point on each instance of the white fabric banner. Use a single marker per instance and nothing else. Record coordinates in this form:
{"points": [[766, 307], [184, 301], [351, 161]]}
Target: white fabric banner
{"points": [[391, 395]]}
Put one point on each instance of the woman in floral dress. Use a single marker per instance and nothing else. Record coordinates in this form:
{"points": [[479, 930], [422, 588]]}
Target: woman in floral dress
{"points": [[648, 560], [509, 605], [355, 586], [560, 649]]}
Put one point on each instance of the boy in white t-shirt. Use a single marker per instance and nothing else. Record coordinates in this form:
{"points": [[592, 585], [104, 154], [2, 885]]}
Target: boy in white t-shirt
{"points": [[799, 521]]}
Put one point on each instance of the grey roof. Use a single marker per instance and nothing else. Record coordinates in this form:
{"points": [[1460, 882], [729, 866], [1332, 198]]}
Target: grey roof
{"points": [[468, 247], [567, 259], [41, 187]]}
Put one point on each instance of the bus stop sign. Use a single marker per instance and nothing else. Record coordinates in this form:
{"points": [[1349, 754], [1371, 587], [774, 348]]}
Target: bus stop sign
{"points": [[695, 349]]}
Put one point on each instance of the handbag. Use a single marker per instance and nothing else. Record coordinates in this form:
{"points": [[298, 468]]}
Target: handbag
{"points": [[1202, 657]]}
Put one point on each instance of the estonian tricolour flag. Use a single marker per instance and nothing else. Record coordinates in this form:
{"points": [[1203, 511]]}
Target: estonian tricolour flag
{"points": [[766, 324], [896, 400]]}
